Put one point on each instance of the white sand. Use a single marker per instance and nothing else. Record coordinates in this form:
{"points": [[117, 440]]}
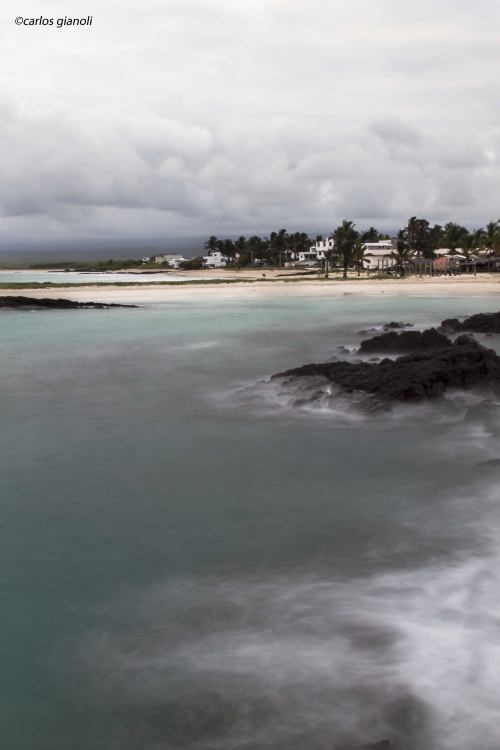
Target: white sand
{"points": [[480, 286]]}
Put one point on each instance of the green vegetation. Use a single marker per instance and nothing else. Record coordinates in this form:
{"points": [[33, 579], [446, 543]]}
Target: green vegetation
{"points": [[191, 265], [417, 240]]}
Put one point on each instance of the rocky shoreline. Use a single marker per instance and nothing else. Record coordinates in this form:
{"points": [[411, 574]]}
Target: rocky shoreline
{"points": [[48, 303], [407, 341], [434, 363], [480, 323]]}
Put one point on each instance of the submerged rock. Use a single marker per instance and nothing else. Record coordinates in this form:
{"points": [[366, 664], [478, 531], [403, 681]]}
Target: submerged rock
{"points": [[407, 341], [33, 303], [480, 323], [413, 377]]}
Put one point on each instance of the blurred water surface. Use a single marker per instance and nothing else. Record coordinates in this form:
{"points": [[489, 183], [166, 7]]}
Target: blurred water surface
{"points": [[180, 569]]}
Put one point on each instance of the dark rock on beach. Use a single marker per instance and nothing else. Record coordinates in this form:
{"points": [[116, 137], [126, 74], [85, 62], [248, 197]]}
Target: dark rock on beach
{"points": [[414, 377], [33, 303], [407, 341], [480, 323]]}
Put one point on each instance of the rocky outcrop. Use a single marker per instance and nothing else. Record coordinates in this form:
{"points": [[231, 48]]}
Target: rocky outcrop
{"points": [[413, 377], [407, 341], [32, 303], [480, 323], [387, 327], [391, 326]]}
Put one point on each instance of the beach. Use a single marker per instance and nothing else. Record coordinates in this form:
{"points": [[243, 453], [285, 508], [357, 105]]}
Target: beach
{"points": [[254, 286]]}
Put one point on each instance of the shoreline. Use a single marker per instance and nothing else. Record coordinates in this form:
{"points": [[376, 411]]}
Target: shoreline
{"points": [[483, 285]]}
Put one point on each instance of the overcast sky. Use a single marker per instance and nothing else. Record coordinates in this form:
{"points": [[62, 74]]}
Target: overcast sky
{"points": [[189, 117]]}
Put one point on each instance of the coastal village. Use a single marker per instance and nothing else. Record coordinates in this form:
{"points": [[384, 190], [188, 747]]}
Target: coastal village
{"points": [[417, 249]]}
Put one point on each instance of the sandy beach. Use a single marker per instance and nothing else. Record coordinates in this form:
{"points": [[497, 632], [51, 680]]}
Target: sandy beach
{"points": [[480, 286]]}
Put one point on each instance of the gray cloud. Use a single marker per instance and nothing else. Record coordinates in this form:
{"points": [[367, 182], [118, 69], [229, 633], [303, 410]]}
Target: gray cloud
{"points": [[215, 116]]}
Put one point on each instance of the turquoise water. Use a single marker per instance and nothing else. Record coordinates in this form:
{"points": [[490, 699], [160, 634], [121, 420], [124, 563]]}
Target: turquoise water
{"points": [[188, 563], [76, 277]]}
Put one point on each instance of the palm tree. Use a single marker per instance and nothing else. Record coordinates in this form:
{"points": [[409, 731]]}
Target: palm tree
{"points": [[358, 254], [345, 238], [452, 235], [422, 239], [468, 243], [304, 241], [228, 249], [435, 239], [212, 244], [371, 235], [278, 243], [299, 243], [402, 255], [293, 244], [411, 231], [240, 246], [256, 247], [490, 239]]}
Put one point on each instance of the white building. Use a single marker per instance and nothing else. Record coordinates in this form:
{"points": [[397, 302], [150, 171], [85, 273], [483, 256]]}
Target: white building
{"points": [[316, 253], [171, 259], [214, 259], [308, 258], [322, 246], [379, 254], [175, 262]]}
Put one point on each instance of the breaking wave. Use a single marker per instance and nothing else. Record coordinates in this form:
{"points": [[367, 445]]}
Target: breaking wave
{"points": [[305, 661], [317, 396]]}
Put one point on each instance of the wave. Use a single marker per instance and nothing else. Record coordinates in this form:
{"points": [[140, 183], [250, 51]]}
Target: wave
{"points": [[304, 661], [316, 396]]}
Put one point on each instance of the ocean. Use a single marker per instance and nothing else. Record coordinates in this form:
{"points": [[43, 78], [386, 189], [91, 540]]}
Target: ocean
{"points": [[86, 277], [190, 562]]}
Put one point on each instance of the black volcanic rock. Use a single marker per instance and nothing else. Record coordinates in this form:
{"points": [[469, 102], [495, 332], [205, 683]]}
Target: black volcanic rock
{"points": [[386, 327], [33, 303], [480, 323], [389, 326], [413, 377], [407, 341]]}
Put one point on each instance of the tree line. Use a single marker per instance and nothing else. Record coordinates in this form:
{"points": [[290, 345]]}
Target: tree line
{"points": [[418, 239]]}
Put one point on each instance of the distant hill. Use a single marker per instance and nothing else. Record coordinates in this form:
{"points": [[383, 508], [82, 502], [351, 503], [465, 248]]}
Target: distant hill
{"points": [[88, 252]]}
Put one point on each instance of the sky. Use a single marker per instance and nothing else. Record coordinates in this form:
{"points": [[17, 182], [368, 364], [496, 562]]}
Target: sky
{"points": [[227, 117]]}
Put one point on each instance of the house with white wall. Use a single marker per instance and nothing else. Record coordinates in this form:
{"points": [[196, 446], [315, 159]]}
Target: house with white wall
{"points": [[379, 254], [214, 259], [316, 253]]}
